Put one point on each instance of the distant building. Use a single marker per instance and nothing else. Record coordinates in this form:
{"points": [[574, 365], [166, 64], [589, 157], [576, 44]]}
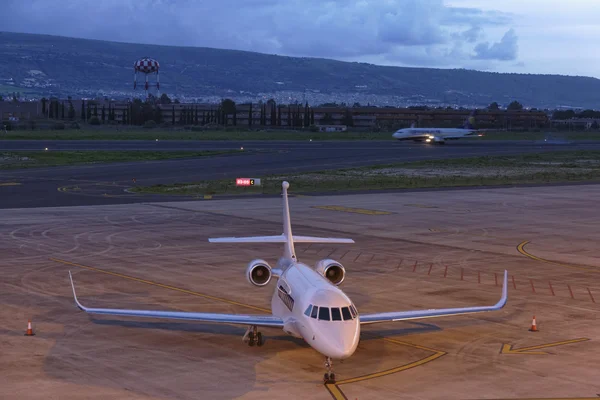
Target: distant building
{"points": [[21, 110], [332, 128], [580, 123]]}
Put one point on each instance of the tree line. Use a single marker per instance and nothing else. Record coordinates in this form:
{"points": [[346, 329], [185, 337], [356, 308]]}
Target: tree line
{"points": [[149, 113], [569, 114]]}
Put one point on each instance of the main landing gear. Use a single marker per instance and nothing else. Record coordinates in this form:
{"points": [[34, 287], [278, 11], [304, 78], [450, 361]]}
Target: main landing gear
{"points": [[329, 376], [253, 337]]}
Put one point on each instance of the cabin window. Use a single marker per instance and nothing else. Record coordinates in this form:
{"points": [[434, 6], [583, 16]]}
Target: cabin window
{"points": [[346, 313], [323, 314], [314, 312], [286, 298], [307, 312], [335, 314]]}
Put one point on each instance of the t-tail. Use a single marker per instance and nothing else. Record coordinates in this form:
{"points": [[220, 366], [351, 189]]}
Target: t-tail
{"points": [[470, 121], [286, 237]]}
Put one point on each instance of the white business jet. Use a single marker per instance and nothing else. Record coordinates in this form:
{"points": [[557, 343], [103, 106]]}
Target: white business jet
{"points": [[439, 135], [307, 303]]}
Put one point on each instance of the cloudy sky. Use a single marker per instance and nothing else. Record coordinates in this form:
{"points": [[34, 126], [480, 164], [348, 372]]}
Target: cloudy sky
{"points": [[529, 36]]}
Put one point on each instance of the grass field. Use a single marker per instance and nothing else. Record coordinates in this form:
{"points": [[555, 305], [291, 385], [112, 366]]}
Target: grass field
{"points": [[566, 135], [478, 171], [231, 134], [163, 134], [28, 159]]}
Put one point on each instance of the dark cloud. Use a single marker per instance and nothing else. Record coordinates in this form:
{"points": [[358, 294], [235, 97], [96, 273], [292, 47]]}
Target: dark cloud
{"points": [[504, 50], [458, 15], [343, 29], [471, 35]]}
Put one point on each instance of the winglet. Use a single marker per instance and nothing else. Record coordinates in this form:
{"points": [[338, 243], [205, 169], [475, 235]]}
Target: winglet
{"points": [[75, 295], [504, 297]]}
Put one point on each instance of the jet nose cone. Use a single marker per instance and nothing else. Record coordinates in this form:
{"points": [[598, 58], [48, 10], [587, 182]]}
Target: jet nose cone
{"points": [[340, 352], [345, 342]]}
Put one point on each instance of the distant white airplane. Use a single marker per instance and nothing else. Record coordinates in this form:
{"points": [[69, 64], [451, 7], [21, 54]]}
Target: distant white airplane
{"points": [[438, 135], [307, 303]]}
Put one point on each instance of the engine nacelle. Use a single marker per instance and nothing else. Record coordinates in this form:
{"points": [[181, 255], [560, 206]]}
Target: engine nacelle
{"points": [[331, 270], [435, 139], [259, 272]]}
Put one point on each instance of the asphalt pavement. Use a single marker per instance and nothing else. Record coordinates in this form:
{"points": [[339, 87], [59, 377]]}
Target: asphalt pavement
{"points": [[106, 183]]}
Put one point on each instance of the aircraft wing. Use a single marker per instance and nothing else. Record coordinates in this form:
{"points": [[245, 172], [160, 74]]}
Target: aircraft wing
{"points": [[241, 319], [406, 315], [250, 239]]}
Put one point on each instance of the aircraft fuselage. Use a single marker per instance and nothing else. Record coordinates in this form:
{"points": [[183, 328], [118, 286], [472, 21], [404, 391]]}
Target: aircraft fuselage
{"points": [[432, 134], [315, 310]]}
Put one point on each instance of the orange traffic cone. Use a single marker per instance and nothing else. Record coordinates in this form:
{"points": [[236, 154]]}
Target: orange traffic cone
{"points": [[29, 330], [533, 326]]}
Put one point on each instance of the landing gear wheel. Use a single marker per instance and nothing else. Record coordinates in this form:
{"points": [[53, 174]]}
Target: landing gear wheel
{"points": [[253, 337], [329, 376]]}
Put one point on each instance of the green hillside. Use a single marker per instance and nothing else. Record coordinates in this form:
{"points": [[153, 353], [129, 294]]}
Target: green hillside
{"points": [[68, 66]]}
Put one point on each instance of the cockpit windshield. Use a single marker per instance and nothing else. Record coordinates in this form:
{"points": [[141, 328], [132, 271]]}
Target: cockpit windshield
{"points": [[346, 313], [323, 314], [331, 314]]}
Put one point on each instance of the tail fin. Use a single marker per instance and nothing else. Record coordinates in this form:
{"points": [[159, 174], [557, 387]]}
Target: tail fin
{"points": [[470, 121], [286, 237], [289, 251]]}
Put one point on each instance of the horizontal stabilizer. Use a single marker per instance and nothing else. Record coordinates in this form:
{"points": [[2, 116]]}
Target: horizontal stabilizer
{"points": [[279, 239], [314, 239], [250, 239]]}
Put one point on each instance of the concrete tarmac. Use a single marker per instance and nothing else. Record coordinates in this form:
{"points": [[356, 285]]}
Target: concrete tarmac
{"points": [[412, 251], [99, 184]]}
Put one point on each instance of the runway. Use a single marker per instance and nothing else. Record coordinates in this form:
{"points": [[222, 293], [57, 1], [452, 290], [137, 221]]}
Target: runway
{"points": [[182, 145], [98, 184]]}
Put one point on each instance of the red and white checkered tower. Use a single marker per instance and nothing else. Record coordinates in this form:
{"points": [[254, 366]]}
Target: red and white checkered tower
{"points": [[146, 66]]}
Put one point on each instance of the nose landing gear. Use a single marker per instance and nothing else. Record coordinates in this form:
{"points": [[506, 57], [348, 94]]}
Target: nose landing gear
{"points": [[329, 376], [253, 337]]}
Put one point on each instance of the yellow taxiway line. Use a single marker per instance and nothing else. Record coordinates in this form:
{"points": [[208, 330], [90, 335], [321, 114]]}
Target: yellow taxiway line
{"points": [[338, 394], [521, 249], [10, 184], [508, 349]]}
